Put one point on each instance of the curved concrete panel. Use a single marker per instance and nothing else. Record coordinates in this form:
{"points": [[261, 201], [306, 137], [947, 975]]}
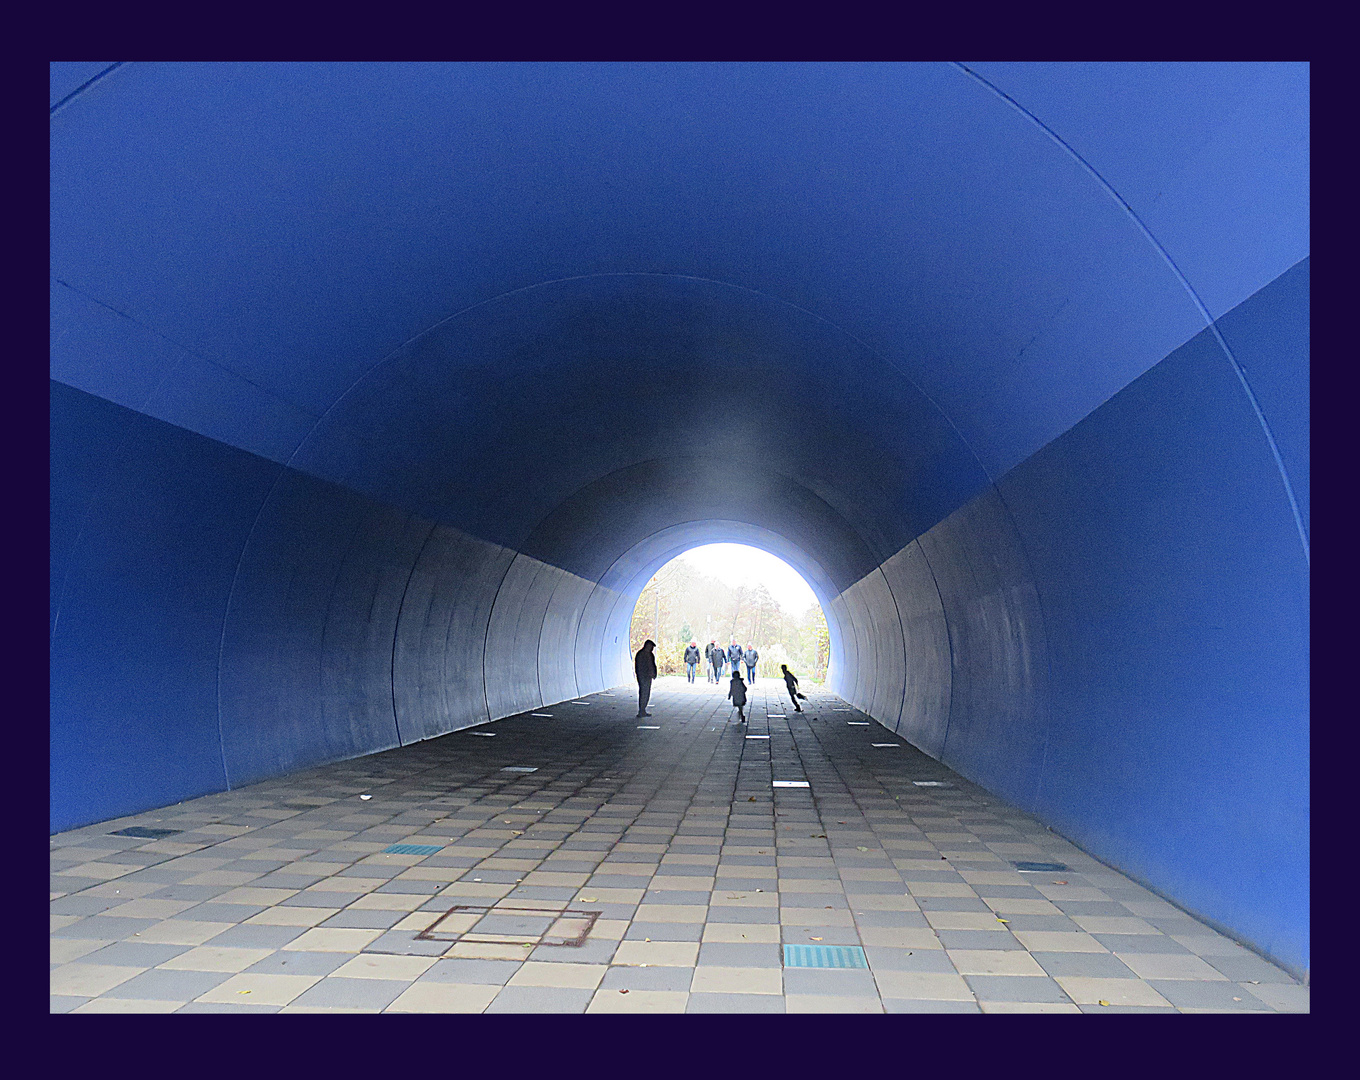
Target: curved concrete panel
{"points": [[928, 677]]}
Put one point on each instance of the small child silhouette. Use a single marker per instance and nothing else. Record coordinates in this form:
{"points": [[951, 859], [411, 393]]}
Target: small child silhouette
{"points": [[737, 692]]}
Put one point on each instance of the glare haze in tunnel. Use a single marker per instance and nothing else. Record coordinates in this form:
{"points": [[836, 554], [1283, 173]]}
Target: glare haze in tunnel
{"points": [[380, 391]]}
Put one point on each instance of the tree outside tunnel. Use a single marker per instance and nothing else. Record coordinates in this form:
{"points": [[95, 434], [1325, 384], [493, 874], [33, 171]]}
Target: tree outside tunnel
{"points": [[719, 592]]}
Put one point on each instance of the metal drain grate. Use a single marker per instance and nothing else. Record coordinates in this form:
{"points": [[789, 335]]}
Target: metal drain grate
{"points": [[1040, 867], [143, 833], [413, 849], [824, 956]]}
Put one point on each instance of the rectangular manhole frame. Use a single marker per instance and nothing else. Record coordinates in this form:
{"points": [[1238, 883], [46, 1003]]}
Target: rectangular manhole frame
{"points": [[432, 932]]}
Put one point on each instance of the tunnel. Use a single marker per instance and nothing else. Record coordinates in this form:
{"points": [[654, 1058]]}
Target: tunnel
{"points": [[380, 391]]}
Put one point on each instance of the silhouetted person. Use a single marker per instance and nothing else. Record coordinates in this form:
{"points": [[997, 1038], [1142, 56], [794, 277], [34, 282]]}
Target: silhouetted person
{"points": [[791, 681], [749, 659], [734, 656], [644, 663], [737, 692], [691, 659], [717, 658]]}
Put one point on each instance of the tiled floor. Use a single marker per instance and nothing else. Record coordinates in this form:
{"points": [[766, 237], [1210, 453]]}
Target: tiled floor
{"points": [[281, 898]]}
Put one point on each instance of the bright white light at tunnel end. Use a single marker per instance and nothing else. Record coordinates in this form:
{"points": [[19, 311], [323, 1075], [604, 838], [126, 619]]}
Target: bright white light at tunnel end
{"points": [[737, 565]]}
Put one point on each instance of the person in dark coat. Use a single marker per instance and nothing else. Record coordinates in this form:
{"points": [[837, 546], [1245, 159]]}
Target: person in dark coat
{"points": [[708, 662], [791, 681], [749, 659], [737, 692], [644, 664], [734, 655], [718, 657], [691, 659]]}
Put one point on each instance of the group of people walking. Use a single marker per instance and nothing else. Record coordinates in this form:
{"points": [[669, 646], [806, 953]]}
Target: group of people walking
{"points": [[718, 659]]}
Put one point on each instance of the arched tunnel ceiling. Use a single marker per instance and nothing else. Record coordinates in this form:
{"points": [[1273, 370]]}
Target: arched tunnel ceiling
{"points": [[479, 291]]}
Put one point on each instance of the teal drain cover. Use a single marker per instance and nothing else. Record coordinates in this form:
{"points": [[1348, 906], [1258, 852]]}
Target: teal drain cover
{"points": [[824, 956], [413, 849]]}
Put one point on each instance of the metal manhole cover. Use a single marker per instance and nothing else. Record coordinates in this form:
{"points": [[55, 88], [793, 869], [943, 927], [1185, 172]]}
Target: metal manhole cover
{"points": [[564, 927], [413, 849], [824, 956], [143, 833], [1040, 867]]}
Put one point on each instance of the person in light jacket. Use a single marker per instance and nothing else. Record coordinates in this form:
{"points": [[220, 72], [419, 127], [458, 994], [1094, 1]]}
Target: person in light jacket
{"points": [[737, 692], [644, 664], [749, 659]]}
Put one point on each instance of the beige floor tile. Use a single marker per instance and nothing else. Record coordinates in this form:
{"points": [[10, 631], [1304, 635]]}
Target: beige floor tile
{"points": [[880, 902], [325, 886], [831, 1003], [638, 1001], [1028, 1007], [939, 888], [869, 874], [994, 962], [922, 986], [1067, 892], [433, 997], [215, 958], [127, 1005], [263, 989], [738, 933], [806, 916], [56, 922], [182, 932], [731, 980], [757, 873], [87, 980], [808, 886], [291, 916], [224, 877], [332, 939], [895, 937], [418, 920], [609, 929], [65, 950], [383, 966], [1109, 924], [671, 913], [475, 892], [565, 976], [657, 953], [1058, 941], [150, 909], [1170, 966], [99, 871], [555, 880], [473, 950], [963, 920], [991, 877], [1090, 991], [121, 889]]}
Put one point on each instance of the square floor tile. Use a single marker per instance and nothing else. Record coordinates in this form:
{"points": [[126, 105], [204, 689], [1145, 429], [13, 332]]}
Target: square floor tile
{"points": [[253, 988], [444, 997], [540, 999], [1031, 988], [1207, 995]]}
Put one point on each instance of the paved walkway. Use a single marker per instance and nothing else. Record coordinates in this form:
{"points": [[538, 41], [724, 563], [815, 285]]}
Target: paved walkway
{"points": [[625, 869]]}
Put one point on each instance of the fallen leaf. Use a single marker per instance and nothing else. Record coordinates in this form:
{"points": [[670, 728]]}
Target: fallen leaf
{"points": [[623, 991], [1102, 1002], [814, 939]]}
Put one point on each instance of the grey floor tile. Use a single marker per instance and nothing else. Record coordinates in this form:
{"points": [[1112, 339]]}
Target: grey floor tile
{"points": [[841, 983], [56, 1004], [643, 931], [336, 992], [740, 954], [540, 999], [1141, 943], [1190, 993], [164, 984], [1248, 967], [214, 911], [1033, 988], [297, 962], [104, 928], [935, 961], [210, 1007], [978, 939], [487, 972], [256, 937], [1093, 965], [133, 954]]}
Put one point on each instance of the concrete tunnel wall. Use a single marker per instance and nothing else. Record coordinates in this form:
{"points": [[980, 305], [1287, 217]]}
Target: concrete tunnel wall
{"points": [[349, 449]]}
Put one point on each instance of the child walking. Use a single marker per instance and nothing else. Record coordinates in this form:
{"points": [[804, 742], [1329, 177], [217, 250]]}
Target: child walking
{"points": [[737, 692]]}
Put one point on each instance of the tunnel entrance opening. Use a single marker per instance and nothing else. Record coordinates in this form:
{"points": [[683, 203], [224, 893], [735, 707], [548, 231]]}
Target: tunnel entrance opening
{"points": [[721, 594]]}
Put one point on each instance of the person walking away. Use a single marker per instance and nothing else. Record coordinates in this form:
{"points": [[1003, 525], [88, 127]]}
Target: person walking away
{"points": [[791, 681], [718, 657], [708, 657], [750, 661], [734, 655], [691, 659], [644, 664], [737, 692]]}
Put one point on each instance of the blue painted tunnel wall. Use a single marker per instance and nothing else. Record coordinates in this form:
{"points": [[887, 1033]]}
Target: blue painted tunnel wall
{"points": [[379, 392]]}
